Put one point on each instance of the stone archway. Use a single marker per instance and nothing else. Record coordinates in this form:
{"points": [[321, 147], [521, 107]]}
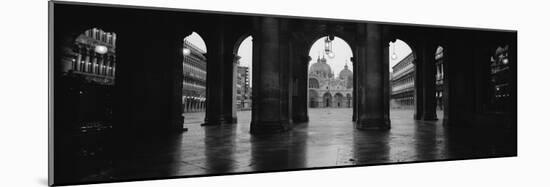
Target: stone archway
{"points": [[313, 99], [338, 100], [327, 100]]}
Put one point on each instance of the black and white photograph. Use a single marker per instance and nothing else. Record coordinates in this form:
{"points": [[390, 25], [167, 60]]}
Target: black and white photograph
{"points": [[147, 93], [143, 93], [275, 93]]}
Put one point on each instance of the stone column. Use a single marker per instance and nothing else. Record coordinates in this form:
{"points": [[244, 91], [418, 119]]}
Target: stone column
{"points": [[371, 105], [229, 87], [78, 59], [268, 110], [386, 76], [300, 100], [100, 64], [426, 57], [418, 88], [149, 82], [459, 92], [85, 67], [93, 65], [355, 86], [216, 63]]}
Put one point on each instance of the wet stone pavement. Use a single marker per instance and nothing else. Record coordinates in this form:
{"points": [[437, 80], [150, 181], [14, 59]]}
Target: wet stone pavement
{"points": [[329, 139]]}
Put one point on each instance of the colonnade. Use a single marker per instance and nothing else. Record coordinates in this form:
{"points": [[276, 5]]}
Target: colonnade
{"points": [[148, 79]]}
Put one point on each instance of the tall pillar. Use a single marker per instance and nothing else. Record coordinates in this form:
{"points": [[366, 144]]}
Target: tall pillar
{"points": [[217, 62], [418, 88], [371, 106], [300, 100], [426, 58], [355, 86], [229, 87], [459, 93], [268, 111], [149, 82], [386, 75]]}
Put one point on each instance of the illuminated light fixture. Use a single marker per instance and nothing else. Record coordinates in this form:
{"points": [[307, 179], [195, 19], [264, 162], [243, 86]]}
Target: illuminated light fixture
{"points": [[100, 49], [328, 46], [393, 53], [186, 51]]}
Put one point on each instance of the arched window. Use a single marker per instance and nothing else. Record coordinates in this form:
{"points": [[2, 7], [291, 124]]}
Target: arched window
{"points": [[94, 56], [313, 83]]}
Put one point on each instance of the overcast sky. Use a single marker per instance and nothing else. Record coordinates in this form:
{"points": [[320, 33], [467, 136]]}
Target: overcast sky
{"points": [[341, 50], [402, 50]]}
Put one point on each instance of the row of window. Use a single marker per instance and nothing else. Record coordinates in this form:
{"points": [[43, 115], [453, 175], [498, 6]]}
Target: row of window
{"points": [[403, 63], [100, 35], [403, 81], [193, 71], [195, 62], [94, 64], [193, 80]]}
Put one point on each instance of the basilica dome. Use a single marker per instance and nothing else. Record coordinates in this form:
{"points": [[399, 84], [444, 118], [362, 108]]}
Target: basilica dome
{"points": [[321, 68], [345, 73]]}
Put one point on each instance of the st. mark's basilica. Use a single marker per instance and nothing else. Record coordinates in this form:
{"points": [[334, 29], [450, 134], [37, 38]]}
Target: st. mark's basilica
{"points": [[326, 90]]}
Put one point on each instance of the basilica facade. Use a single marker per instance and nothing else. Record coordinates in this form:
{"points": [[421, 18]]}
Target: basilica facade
{"points": [[327, 91]]}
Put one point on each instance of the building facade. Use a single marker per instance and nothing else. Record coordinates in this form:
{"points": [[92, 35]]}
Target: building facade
{"points": [[439, 77], [402, 83], [94, 57], [499, 81], [244, 91], [327, 91], [194, 79], [88, 74]]}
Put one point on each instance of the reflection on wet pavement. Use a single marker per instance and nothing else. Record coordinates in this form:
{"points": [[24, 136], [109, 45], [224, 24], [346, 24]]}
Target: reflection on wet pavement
{"points": [[329, 139]]}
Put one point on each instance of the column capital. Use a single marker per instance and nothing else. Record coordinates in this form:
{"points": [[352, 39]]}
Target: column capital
{"points": [[236, 58]]}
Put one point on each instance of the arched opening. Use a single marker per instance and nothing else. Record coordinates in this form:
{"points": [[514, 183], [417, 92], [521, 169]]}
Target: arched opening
{"points": [[84, 100], [327, 100], [330, 70], [313, 99], [90, 73], [402, 79], [338, 100], [194, 78], [243, 83], [313, 83]]}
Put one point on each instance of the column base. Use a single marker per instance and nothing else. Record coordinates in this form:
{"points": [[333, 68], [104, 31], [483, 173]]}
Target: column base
{"points": [[269, 127], [213, 122], [300, 119], [429, 117], [179, 124], [417, 116], [373, 124], [230, 120]]}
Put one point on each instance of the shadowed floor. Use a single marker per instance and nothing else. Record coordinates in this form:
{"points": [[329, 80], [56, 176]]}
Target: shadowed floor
{"points": [[329, 139]]}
